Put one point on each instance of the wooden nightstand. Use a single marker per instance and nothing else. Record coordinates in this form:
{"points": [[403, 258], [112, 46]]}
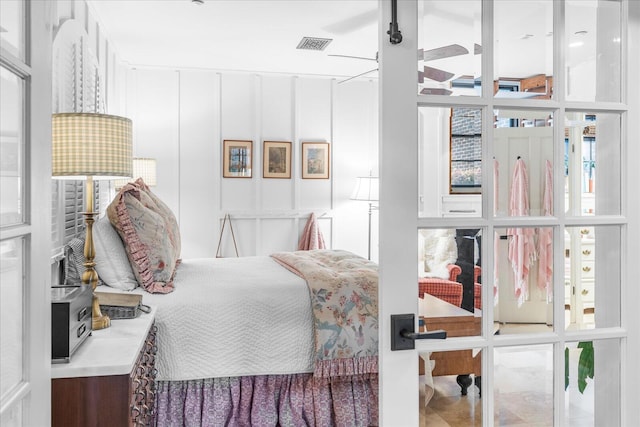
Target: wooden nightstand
{"points": [[110, 380]]}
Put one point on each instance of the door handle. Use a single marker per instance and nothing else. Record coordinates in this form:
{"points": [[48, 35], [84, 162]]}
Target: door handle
{"points": [[432, 335], [403, 333]]}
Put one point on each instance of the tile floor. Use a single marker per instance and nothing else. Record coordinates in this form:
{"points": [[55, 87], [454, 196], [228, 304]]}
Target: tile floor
{"points": [[522, 393]]}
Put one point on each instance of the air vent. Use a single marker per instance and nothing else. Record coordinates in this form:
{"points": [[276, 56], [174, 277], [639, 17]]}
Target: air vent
{"points": [[313, 43]]}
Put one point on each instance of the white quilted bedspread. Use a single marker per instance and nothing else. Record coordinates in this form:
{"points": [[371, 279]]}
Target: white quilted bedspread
{"points": [[233, 317]]}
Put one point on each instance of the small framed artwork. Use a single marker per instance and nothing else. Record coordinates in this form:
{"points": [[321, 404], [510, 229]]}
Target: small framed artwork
{"points": [[315, 160], [237, 158], [276, 161]]}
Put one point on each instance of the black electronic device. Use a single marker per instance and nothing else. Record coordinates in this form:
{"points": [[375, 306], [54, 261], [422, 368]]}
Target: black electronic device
{"points": [[70, 320]]}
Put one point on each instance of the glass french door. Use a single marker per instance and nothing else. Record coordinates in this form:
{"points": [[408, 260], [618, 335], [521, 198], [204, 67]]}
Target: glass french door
{"points": [[504, 185], [25, 175]]}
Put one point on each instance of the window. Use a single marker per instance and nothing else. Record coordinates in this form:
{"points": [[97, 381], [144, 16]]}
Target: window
{"points": [[466, 150]]}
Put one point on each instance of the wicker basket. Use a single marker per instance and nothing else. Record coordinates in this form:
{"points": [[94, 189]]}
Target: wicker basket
{"points": [[121, 306]]}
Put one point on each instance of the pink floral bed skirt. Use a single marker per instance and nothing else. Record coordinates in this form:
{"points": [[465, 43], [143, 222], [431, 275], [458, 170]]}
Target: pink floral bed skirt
{"points": [[268, 400]]}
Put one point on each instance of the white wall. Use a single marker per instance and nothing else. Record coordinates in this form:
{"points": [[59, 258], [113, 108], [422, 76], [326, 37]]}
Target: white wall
{"points": [[355, 116], [181, 117]]}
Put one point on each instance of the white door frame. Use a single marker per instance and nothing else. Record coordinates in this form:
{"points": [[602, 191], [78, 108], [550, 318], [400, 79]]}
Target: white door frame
{"points": [[399, 222], [29, 403], [398, 209], [631, 208]]}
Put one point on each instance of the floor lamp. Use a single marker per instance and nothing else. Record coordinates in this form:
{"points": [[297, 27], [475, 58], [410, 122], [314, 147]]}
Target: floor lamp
{"points": [[91, 146], [366, 190]]}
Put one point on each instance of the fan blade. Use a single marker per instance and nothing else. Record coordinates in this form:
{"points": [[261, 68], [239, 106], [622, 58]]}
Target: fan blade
{"points": [[436, 74], [358, 75], [477, 49], [435, 91], [354, 57], [443, 52]]}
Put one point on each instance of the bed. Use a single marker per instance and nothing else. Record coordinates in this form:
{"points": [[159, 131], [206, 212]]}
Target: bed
{"points": [[288, 339]]}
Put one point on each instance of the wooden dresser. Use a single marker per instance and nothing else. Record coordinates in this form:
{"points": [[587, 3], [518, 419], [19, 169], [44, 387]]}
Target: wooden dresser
{"points": [[110, 380]]}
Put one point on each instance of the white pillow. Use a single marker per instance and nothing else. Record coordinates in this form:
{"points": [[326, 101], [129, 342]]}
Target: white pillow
{"points": [[440, 250], [111, 260]]}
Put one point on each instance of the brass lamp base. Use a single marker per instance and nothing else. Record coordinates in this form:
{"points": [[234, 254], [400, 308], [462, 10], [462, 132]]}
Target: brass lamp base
{"points": [[99, 320], [90, 276]]}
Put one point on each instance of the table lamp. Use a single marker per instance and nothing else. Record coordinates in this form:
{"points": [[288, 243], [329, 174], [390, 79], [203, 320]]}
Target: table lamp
{"points": [[366, 189], [144, 168], [91, 146]]}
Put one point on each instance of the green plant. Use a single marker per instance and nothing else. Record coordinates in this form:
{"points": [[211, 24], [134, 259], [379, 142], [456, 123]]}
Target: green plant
{"points": [[585, 365]]}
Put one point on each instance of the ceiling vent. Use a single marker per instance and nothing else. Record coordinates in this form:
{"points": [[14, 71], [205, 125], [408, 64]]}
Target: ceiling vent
{"points": [[313, 43]]}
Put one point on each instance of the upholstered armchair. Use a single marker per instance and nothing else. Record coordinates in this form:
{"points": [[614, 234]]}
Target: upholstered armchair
{"points": [[448, 290], [477, 287]]}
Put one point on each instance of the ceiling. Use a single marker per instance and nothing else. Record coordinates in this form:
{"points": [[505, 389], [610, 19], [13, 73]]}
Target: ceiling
{"points": [[242, 35], [261, 36]]}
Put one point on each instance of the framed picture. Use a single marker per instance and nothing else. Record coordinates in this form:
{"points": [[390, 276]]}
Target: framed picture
{"points": [[315, 160], [276, 159], [237, 159]]}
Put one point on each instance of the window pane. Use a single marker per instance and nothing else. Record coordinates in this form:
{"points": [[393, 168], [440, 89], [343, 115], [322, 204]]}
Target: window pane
{"points": [[594, 36], [592, 277], [466, 150], [523, 44], [450, 51], [448, 396], [523, 264], [11, 149], [449, 276], [523, 163], [450, 147], [592, 163], [12, 22], [592, 400], [523, 390], [11, 304]]}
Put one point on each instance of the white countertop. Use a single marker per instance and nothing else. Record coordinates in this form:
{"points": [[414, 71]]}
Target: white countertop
{"points": [[109, 351]]}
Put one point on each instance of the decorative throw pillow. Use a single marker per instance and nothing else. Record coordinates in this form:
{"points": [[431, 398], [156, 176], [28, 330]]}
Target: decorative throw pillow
{"points": [[74, 265], [112, 263], [167, 214], [150, 234]]}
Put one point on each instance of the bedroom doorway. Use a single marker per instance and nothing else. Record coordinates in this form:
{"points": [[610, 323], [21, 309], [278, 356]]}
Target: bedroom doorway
{"points": [[533, 369]]}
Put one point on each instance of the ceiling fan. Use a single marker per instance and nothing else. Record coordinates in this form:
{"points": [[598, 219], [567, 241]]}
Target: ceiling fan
{"points": [[428, 72]]}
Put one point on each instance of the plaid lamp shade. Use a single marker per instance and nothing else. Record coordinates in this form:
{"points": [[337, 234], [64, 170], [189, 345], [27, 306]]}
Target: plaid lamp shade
{"points": [[89, 144]]}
